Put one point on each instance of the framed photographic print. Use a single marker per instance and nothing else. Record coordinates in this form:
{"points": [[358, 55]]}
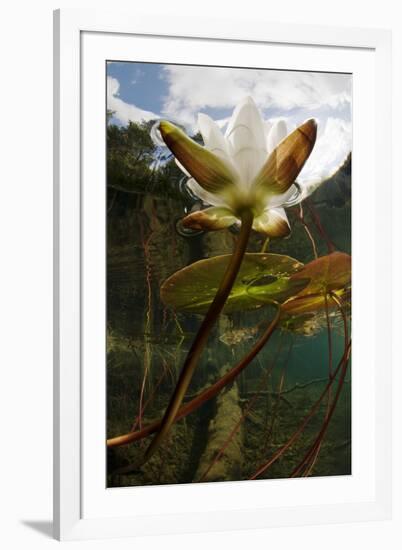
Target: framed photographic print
{"points": [[221, 238]]}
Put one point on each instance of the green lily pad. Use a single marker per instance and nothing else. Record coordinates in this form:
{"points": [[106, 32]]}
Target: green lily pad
{"points": [[194, 287], [265, 290], [331, 273]]}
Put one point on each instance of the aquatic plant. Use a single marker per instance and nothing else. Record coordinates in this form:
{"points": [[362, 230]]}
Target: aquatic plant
{"points": [[312, 453], [261, 278], [251, 185], [252, 168], [246, 177], [328, 276]]}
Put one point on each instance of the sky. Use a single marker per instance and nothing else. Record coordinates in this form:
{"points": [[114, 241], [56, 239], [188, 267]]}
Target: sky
{"points": [[145, 91]]}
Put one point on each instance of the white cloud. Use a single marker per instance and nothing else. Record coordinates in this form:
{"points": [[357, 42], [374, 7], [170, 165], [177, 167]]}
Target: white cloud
{"points": [[290, 96], [334, 143], [191, 89], [124, 112], [287, 95]]}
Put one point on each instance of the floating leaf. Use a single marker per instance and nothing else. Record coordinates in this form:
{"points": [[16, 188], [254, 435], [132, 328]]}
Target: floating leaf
{"points": [[331, 273], [194, 287], [264, 289]]}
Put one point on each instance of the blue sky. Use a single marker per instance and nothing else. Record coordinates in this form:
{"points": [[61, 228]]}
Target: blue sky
{"points": [[146, 85], [139, 84], [144, 91]]}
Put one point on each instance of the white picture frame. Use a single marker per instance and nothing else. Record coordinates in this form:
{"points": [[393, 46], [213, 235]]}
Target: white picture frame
{"points": [[83, 507]]}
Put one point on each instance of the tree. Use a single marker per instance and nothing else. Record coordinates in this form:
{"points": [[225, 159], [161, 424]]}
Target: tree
{"points": [[130, 153]]}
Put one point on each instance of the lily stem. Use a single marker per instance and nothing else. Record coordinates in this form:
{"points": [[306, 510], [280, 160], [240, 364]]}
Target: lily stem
{"points": [[204, 331]]}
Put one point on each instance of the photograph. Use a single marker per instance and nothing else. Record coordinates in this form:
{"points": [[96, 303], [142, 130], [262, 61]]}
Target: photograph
{"points": [[200, 217], [228, 276]]}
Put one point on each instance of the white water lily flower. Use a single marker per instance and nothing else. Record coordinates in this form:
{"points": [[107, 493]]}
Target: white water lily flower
{"points": [[252, 167]]}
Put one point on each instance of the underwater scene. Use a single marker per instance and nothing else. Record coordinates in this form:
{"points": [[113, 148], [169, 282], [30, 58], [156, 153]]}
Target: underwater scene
{"points": [[228, 274]]}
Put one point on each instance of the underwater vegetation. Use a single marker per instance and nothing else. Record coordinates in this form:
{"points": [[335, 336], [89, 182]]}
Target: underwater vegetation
{"points": [[208, 381]]}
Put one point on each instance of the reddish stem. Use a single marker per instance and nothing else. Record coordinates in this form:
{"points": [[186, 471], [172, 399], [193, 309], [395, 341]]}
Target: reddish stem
{"points": [[306, 420], [278, 398], [342, 366], [330, 245], [317, 447], [312, 453], [148, 401], [307, 230]]}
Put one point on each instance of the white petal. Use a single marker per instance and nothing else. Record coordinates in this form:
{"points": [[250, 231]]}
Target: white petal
{"points": [[248, 162], [306, 189], [294, 196], [247, 114], [277, 133], [210, 219], [267, 129], [213, 138], [207, 198], [274, 201], [246, 136], [272, 222]]}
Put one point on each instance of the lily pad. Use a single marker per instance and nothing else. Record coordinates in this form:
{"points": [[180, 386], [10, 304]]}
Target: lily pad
{"points": [[194, 287], [331, 273], [264, 290]]}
